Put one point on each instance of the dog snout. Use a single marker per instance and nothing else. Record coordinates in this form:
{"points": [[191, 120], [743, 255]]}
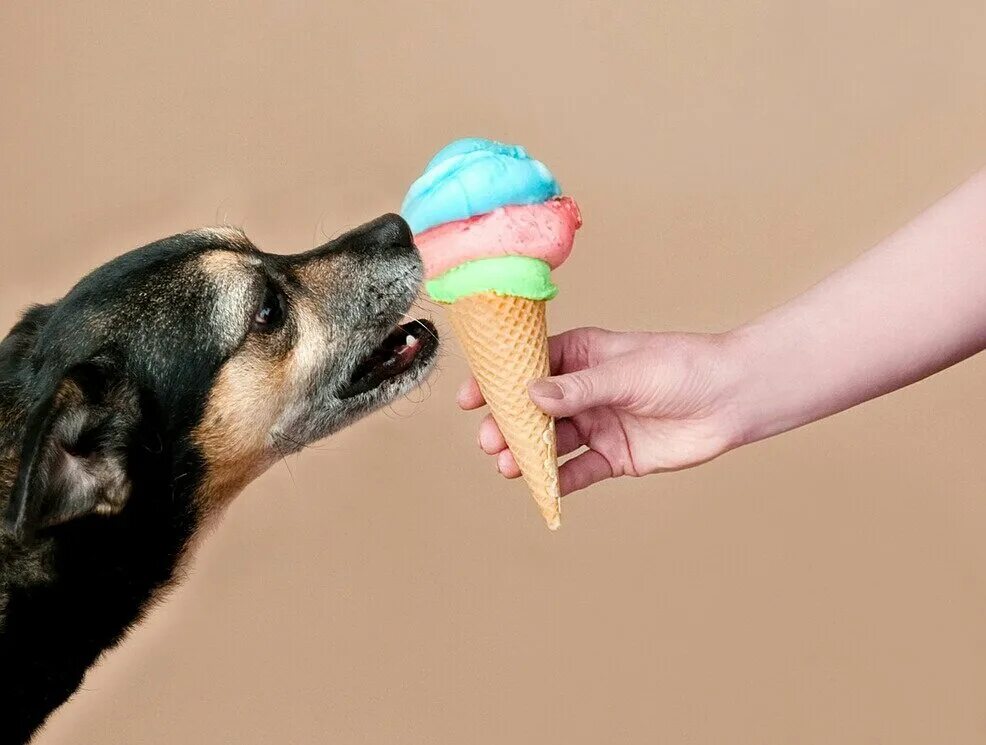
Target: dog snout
{"points": [[374, 270], [385, 238]]}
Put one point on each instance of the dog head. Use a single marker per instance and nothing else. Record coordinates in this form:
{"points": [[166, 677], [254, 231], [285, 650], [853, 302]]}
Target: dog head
{"points": [[200, 357]]}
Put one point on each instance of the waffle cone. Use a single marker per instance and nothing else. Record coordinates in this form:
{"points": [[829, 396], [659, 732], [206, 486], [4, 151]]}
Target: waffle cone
{"points": [[506, 341]]}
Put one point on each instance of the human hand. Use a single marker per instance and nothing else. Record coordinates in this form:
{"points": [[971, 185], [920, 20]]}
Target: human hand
{"points": [[646, 402], [639, 402]]}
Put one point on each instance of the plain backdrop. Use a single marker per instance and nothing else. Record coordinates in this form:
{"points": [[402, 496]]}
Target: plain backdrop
{"points": [[386, 586]]}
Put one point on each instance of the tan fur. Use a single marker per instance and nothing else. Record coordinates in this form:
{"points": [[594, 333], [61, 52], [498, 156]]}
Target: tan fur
{"points": [[228, 234], [234, 435], [219, 262], [253, 394]]}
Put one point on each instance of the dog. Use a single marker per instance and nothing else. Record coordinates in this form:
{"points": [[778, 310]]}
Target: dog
{"points": [[133, 410]]}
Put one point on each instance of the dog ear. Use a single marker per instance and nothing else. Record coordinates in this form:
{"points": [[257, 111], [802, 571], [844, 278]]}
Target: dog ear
{"points": [[74, 456]]}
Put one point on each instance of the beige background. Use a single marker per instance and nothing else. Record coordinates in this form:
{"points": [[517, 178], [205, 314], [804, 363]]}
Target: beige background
{"points": [[828, 586]]}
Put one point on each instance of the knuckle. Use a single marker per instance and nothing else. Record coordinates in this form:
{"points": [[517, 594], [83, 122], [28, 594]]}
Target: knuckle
{"points": [[577, 387], [593, 342]]}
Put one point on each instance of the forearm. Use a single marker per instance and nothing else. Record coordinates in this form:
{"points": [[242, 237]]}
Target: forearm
{"points": [[911, 306]]}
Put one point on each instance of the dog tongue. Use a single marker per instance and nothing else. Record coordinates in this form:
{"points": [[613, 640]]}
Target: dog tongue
{"points": [[406, 351]]}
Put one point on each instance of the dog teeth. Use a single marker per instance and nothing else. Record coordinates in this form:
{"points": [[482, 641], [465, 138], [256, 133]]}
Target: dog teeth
{"points": [[409, 341]]}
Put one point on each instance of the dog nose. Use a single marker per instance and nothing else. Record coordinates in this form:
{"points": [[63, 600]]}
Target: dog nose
{"points": [[388, 231], [386, 237]]}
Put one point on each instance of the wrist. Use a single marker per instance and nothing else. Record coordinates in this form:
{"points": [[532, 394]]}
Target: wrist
{"points": [[742, 417]]}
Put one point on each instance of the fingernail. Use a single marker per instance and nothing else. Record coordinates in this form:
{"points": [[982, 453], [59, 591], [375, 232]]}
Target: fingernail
{"points": [[546, 389]]}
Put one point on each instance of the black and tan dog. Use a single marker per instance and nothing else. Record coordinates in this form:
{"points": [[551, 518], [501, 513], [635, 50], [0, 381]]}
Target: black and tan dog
{"points": [[134, 409]]}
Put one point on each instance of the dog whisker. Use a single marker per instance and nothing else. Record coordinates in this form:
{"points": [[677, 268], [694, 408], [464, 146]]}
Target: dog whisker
{"points": [[424, 388], [319, 228], [431, 333], [299, 446], [284, 437], [225, 213], [423, 298], [391, 413], [284, 460]]}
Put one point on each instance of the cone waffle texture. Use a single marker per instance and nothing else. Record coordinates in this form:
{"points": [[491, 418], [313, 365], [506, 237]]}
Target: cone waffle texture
{"points": [[506, 340]]}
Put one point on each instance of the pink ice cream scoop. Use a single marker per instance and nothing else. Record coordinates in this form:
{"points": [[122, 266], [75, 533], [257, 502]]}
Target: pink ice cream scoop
{"points": [[543, 231]]}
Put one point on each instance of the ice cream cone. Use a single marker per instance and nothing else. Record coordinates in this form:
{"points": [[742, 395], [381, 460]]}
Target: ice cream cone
{"points": [[491, 223], [506, 341]]}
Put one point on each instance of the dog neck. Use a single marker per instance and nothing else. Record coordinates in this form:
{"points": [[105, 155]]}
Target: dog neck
{"points": [[75, 590]]}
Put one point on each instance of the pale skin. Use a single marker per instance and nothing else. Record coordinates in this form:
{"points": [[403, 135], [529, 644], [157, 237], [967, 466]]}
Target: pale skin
{"points": [[641, 403]]}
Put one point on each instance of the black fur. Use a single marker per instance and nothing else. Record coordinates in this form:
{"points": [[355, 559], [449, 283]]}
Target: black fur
{"points": [[108, 385]]}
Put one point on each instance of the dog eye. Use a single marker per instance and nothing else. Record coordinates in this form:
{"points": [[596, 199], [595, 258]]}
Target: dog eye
{"points": [[270, 314]]}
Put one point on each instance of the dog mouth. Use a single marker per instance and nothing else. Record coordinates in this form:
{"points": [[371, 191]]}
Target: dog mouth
{"points": [[402, 353]]}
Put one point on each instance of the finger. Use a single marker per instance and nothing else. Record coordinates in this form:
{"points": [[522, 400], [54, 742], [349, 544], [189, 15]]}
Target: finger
{"points": [[506, 465], [491, 439], [571, 350], [469, 396], [492, 443], [577, 349], [568, 351], [568, 435], [582, 471], [567, 395]]}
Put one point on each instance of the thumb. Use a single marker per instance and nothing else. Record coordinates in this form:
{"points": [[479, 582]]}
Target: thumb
{"points": [[571, 394]]}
